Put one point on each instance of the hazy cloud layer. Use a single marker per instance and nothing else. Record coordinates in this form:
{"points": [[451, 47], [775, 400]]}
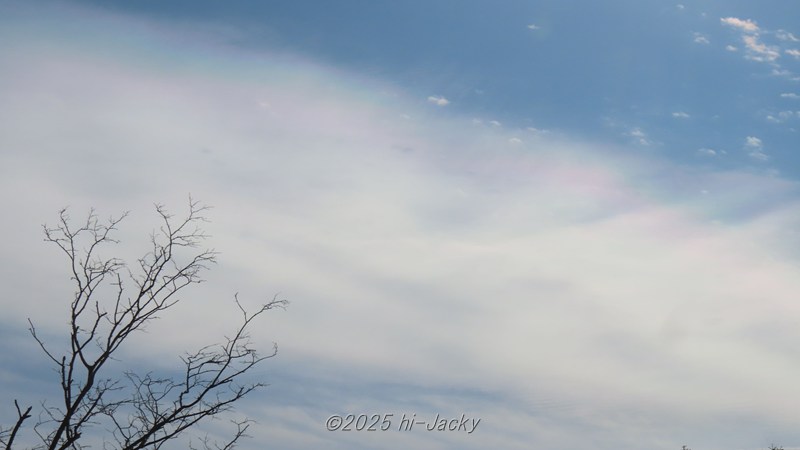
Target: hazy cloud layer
{"points": [[569, 296]]}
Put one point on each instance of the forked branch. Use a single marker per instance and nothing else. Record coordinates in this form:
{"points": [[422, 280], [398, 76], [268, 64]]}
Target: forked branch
{"points": [[110, 303]]}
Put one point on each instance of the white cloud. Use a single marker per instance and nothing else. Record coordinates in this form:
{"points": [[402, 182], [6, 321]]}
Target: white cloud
{"points": [[755, 148], [781, 116], [707, 152], [438, 100], [790, 95], [753, 142], [515, 141], [700, 38], [786, 36], [680, 115], [494, 123], [639, 136], [533, 27], [680, 6], [731, 48], [637, 132], [793, 52], [778, 72], [745, 25], [758, 51], [537, 131]]}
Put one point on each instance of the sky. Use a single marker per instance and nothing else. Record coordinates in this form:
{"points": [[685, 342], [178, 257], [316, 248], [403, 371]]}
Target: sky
{"points": [[576, 221]]}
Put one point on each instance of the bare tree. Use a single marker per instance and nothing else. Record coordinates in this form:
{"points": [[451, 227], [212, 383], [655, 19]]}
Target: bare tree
{"points": [[136, 410]]}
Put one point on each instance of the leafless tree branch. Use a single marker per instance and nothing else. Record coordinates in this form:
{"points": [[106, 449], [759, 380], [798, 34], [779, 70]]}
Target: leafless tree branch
{"points": [[138, 410]]}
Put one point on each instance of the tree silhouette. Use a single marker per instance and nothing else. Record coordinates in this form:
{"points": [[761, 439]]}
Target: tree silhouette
{"points": [[111, 302]]}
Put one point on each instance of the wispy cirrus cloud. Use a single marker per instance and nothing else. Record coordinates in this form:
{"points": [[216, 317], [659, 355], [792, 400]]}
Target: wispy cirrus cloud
{"points": [[786, 36]]}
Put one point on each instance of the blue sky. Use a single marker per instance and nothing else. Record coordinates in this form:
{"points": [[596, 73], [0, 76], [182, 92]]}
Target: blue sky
{"points": [[585, 67], [576, 221]]}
